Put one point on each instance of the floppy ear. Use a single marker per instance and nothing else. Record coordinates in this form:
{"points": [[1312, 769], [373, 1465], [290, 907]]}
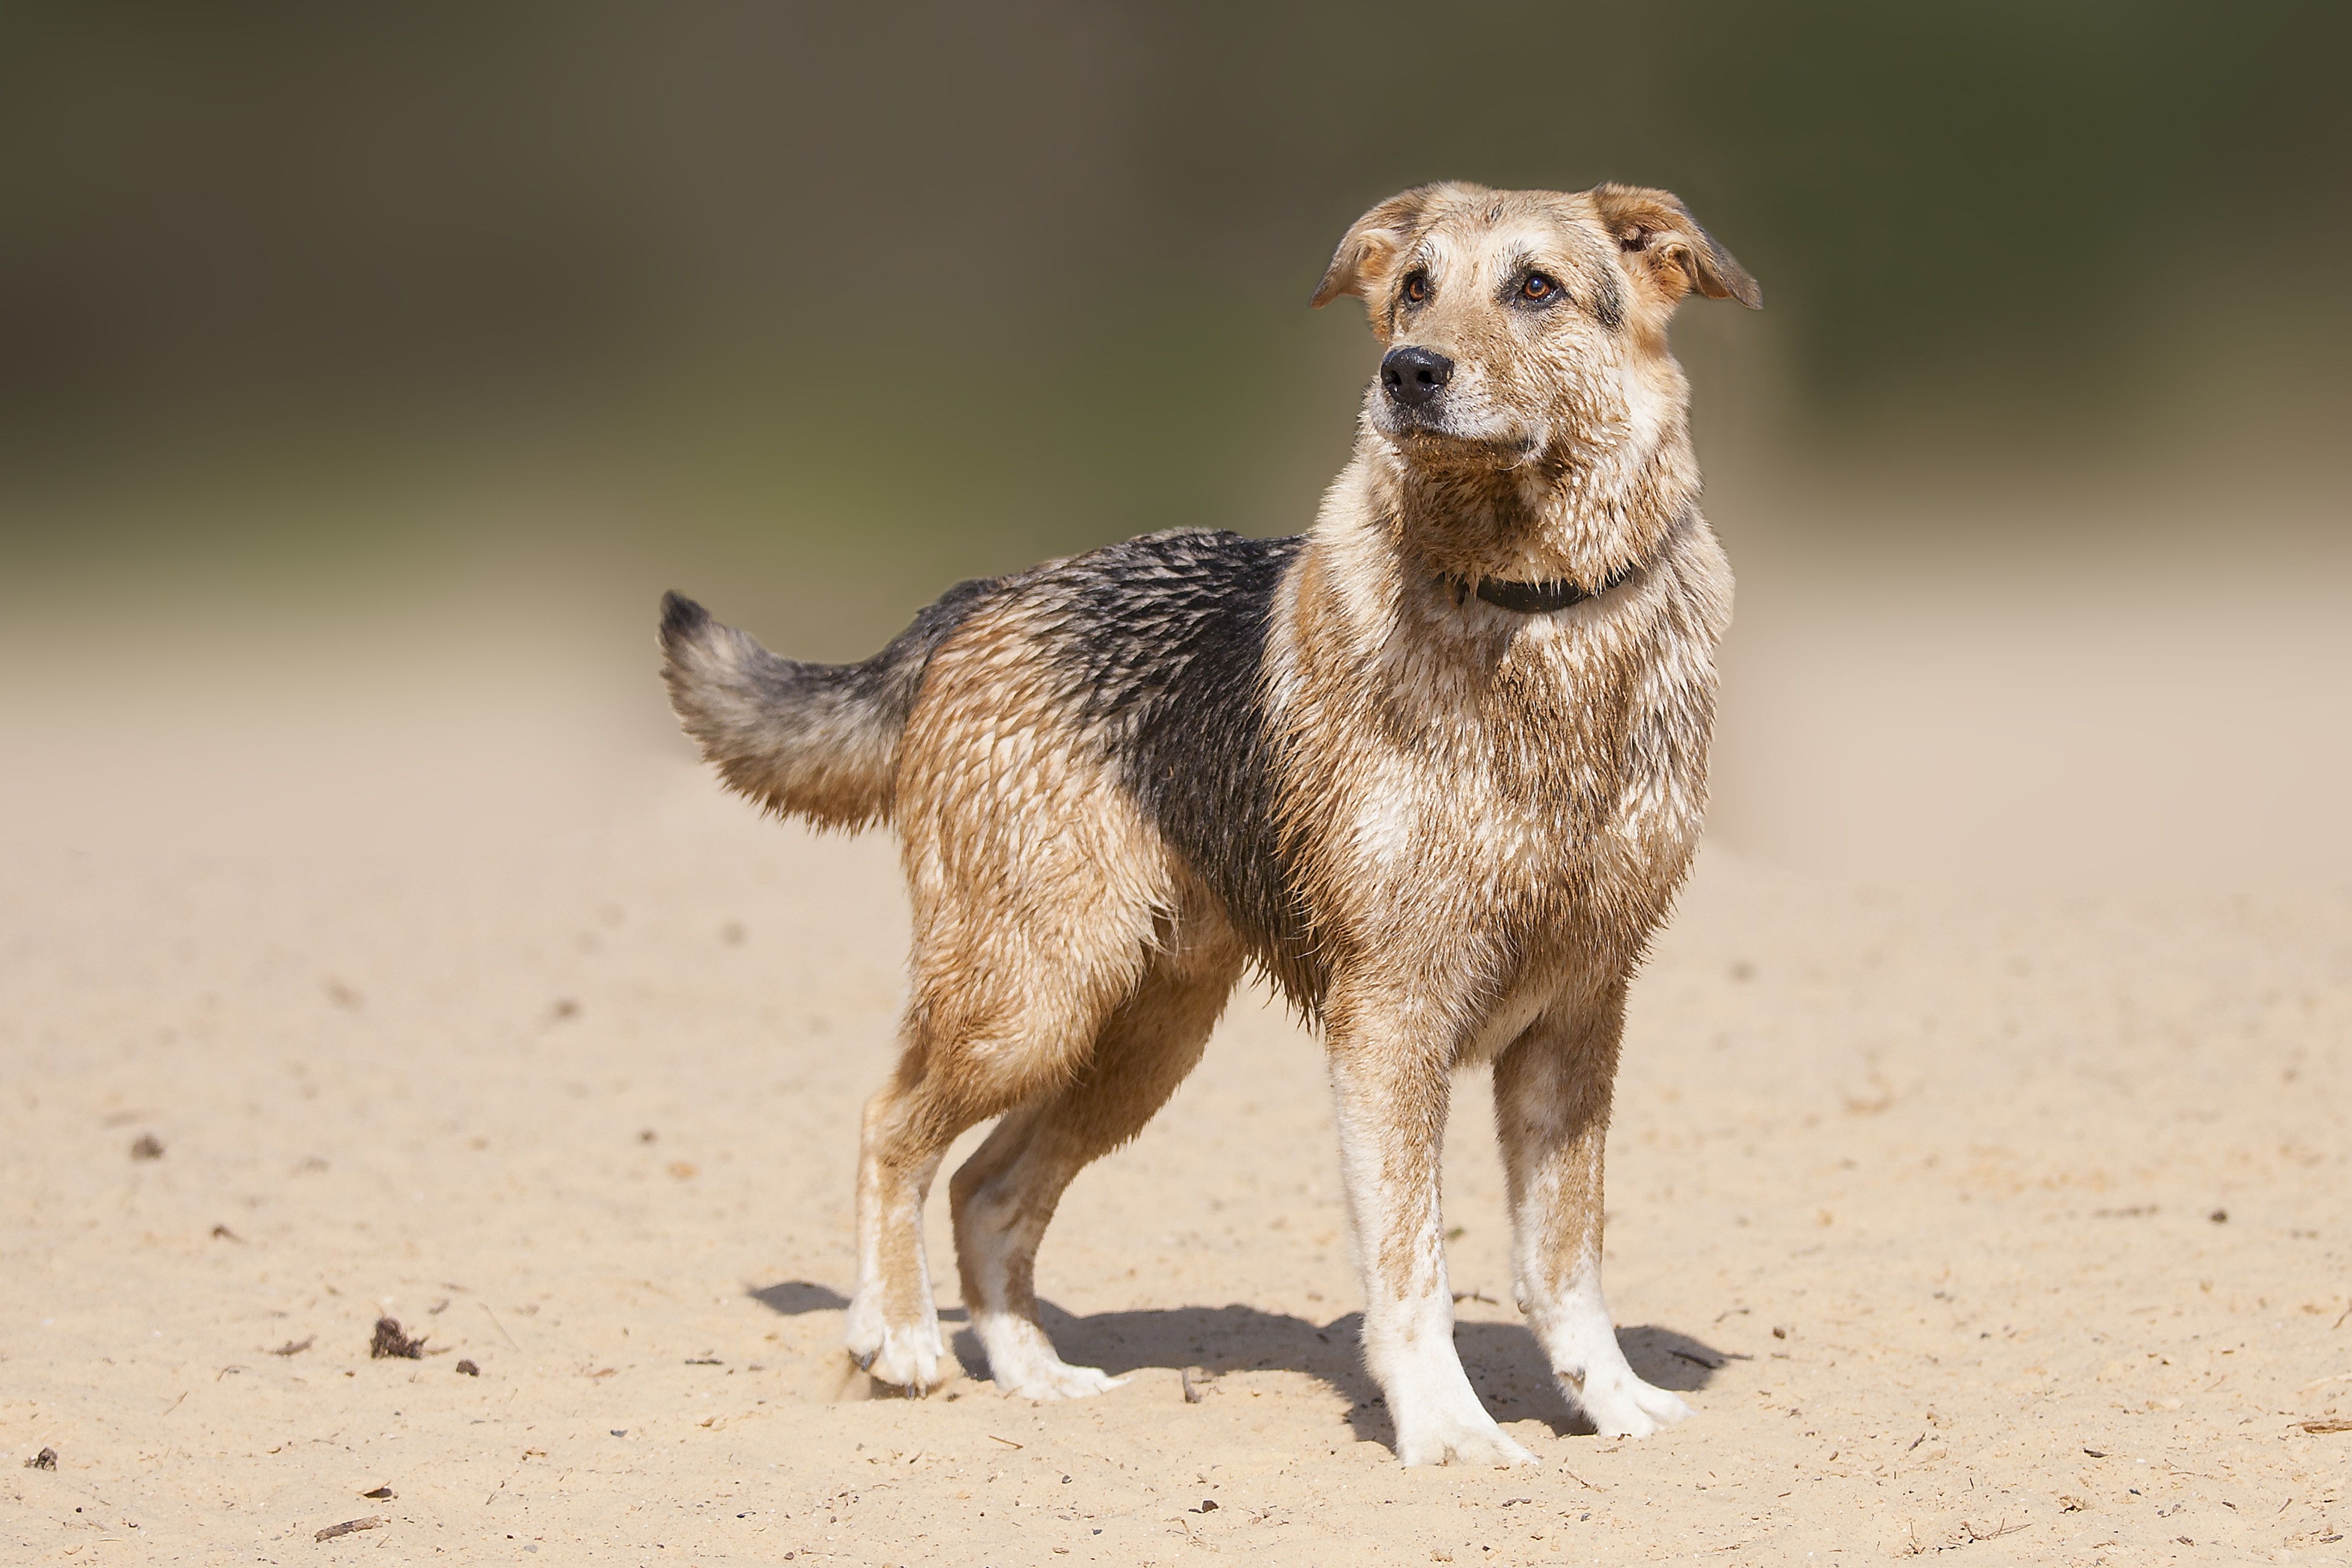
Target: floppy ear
{"points": [[1662, 240], [1370, 242]]}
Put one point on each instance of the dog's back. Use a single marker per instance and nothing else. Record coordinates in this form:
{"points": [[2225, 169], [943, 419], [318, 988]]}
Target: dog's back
{"points": [[1146, 657], [1163, 643]]}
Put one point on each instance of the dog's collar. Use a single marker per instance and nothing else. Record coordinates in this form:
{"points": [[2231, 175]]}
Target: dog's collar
{"points": [[1533, 598]]}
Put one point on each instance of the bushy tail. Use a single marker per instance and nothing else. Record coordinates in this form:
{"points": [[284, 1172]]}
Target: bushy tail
{"points": [[819, 740]]}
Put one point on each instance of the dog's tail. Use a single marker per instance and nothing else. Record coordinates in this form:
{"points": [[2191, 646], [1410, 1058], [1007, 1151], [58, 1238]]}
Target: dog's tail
{"points": [[818, 741]]}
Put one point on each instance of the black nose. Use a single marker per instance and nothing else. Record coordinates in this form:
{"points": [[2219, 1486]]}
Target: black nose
{"points": [[1414, 376]]}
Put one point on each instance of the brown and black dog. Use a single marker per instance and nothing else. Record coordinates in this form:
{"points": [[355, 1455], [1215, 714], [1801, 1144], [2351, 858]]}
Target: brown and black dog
{"points": [[1435, 766]]}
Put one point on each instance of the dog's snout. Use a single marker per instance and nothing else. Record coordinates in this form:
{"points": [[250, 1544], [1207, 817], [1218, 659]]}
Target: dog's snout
{"points": [[1412, 376]]}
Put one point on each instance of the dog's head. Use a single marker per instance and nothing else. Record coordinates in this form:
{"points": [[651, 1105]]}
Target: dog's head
{"points": [[1521, 325]]}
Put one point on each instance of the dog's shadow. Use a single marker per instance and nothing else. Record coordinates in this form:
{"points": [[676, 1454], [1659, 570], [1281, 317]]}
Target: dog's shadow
{"points": [[1505, 1366]]}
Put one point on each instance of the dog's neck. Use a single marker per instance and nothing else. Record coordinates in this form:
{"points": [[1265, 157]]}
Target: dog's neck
{"points": [[1569, 513]]}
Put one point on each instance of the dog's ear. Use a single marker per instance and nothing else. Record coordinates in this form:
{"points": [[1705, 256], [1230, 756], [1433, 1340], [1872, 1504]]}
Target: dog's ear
{"points": [[1664, 243], [1371, 243]]}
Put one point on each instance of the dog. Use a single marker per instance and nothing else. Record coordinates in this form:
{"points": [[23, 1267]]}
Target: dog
{"points": [[1436, 767]]}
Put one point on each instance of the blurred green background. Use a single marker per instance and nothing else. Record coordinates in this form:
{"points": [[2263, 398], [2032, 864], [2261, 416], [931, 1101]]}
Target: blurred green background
{"points": [[310, 311]]}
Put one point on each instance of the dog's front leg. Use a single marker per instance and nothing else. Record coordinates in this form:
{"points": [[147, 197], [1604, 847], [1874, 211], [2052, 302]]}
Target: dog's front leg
{"points": [[1391, 1098], [1551, 1109]]}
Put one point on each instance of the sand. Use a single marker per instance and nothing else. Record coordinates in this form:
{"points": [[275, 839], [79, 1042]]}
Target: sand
{"points": [[1998, 1221]]}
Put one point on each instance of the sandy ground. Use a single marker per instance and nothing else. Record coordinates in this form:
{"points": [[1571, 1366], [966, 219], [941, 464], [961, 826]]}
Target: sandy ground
{"points": [[2010, 1224]]}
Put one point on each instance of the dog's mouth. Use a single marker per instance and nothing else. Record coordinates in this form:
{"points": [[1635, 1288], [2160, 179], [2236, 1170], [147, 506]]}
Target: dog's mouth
{"points": [[1421, 438]]}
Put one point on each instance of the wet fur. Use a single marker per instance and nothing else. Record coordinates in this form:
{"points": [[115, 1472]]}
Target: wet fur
{"points": [[1447, 830]]}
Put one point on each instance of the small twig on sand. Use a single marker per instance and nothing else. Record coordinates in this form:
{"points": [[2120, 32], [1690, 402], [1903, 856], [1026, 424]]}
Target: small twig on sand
{"points": [[500, 1327]]}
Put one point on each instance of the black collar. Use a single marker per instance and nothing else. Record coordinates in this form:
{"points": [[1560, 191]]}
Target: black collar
{"points": [[1535, 598]]}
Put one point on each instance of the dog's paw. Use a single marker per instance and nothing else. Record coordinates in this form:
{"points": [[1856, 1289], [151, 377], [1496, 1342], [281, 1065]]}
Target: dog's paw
{"points": [[1058, 1380], [1625, 1406], [1460, 1441], [1022, 1363], [905, 1355]]}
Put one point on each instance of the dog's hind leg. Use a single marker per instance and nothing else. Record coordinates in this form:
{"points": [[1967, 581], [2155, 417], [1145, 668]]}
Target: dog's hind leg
{"points": [[893, 1326], [1039, 895], [1551, 1112], [950, 1076], [1011, 990], [1004, 1195], [981, 1039]]}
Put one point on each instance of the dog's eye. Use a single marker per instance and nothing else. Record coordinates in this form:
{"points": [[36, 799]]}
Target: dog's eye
{"points": [[1538, 287], [1416, 288]]}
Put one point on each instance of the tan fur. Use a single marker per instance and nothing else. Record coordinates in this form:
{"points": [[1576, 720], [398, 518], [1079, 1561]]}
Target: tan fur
{"points": [[1486, 813]]}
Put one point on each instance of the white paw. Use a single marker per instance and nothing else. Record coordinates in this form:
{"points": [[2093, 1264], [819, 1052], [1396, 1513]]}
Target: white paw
{"points": [[1621, 1405], [1458, 1440], [1022, 1363], [905, 1355], [1058, 1380]]}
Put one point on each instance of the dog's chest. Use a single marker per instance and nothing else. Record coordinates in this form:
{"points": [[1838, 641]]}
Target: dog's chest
{"points": [[1521, 795]]}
